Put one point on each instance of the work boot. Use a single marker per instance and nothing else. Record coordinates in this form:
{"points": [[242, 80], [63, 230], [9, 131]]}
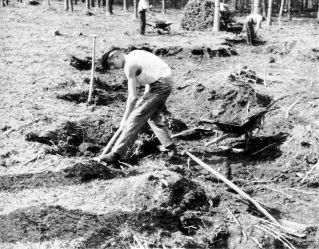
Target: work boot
{"points": [[111, 157]]}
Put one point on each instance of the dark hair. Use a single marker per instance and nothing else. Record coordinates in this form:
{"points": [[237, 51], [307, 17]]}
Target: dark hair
{"points": [[105, 56]]}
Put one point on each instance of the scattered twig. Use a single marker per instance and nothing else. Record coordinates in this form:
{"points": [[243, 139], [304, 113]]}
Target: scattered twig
{"points": [[234, 187], [291, 106], [126, 164], [256, 152], [218, 139], [238, 224], [309, 172], [302, 191], [277, 235], [256, 242]]}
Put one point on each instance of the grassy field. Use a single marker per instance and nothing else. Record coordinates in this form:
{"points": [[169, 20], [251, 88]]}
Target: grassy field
{"points": [[54, 197]]}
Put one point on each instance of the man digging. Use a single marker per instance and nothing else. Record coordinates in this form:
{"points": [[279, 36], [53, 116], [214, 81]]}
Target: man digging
{"points": [[144, 68], [251, 26]]}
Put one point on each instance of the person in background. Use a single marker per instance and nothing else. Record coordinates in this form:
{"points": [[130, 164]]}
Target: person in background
{"points": [[143, 6], [251, 26]]}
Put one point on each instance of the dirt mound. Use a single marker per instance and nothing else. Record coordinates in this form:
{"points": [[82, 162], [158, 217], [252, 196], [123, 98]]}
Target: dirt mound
{"points": [[245, 75], [306, 54], [100, 97], [281, 48], [301, 154], [84, 137], [199, 15], [234, 100]]}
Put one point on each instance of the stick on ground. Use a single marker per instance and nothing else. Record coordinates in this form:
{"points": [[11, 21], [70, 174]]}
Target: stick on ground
{"points": [[234, 187]]}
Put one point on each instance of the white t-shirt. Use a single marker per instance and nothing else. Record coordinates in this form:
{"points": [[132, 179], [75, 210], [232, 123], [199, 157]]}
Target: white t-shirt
{"points": [[143, 5], [147, 67], [256, 19]]}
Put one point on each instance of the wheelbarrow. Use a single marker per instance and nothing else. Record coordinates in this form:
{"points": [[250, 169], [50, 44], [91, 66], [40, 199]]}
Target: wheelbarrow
{"points": [[161, 27]]}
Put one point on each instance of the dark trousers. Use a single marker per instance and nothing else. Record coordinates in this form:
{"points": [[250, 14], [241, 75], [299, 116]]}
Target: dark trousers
{"points": [[251, 36], [142, 16], [148, 110]]}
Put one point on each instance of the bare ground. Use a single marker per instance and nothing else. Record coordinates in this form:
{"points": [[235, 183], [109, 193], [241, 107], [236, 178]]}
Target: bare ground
{"points": [[52, 194]]}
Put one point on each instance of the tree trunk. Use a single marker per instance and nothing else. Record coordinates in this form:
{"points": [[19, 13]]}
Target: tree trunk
{"points": [[99, 3], [264, 8], [163, 6], [318, 12], [282, 3], [256, 7], [88, 6], [92, 3], [135, 9], [103, 3], [289, 9], [269, 14], [125, 5], [70, 4], [217, 16], [110, 6], [66, 5]]}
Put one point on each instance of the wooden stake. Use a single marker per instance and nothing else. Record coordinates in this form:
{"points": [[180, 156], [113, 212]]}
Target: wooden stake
{"points": [[234, 187], [92, 71]]}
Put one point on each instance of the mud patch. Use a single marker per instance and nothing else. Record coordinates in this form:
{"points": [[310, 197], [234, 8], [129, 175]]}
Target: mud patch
{"points": [[100, 97], [84, 137], [208, 52], [81, 64]]}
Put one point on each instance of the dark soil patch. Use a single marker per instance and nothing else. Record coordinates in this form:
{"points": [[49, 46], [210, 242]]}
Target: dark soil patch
{"points": [[84, 137], [207, 52], [100, 97], [77, 174], [81, 64], [245, 75]]}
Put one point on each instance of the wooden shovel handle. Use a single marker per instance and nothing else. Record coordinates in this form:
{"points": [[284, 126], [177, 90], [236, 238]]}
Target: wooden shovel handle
{"points": [[112, 141]]}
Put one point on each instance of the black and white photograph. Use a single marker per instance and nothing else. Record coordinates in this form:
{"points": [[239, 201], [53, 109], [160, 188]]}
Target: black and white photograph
{"points": [[159, 124]]}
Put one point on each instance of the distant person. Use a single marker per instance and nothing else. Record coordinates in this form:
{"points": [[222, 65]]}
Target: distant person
{"points": [[252, 25], [146, 69], [143, 6]]}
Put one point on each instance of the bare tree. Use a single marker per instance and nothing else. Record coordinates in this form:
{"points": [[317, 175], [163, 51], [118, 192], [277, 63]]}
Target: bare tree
{"points": [[318, 12], [125, 8], [66, 5], [92, 3], [282, 3], [135, 9], [70, 4], [163, 6], [264, 5], [110, 6], [289, 9], [268, 22], [88, 6], [216, 26], [256, 7]]}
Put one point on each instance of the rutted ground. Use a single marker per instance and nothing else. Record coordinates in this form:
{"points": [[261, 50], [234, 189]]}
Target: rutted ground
{"points": [[54, 196]]}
